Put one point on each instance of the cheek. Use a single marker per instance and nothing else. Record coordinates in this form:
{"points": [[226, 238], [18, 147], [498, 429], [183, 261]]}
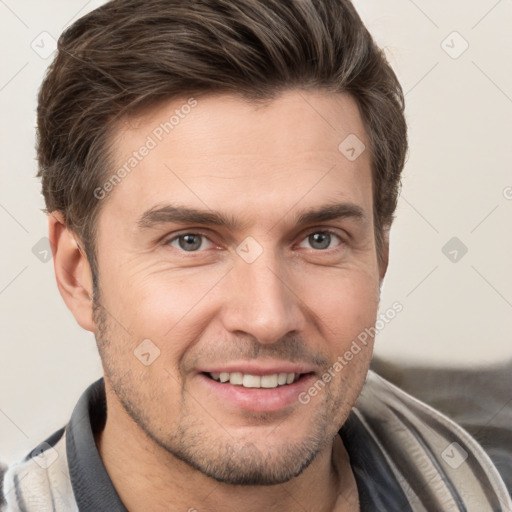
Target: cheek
{"points": [[345, 304], [156, 304]]}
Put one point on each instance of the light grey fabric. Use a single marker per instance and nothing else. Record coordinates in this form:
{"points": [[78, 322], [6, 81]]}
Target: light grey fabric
{"points": [[478, 398], [40, 483], [439, 465]]}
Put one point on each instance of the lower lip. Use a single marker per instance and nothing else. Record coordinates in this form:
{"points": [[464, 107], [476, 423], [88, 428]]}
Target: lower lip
{"points": [[258, 399]]}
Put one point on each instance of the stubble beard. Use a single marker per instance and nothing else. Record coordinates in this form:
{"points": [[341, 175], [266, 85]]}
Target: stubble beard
{"points": [[220, 457]]}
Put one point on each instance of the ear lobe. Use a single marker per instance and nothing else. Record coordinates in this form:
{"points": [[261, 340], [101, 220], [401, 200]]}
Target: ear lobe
{"points": [[72, 271]]}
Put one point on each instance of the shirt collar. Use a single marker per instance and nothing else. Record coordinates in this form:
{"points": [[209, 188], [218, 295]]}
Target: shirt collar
{"points": [[92, 486]]}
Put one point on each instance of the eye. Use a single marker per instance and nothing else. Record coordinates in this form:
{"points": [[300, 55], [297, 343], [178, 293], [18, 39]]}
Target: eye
{"points": [[321, 240], [190, 242]]}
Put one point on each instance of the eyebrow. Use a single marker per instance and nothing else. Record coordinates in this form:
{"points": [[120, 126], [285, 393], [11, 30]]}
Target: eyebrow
{"points": [[182, 215]]}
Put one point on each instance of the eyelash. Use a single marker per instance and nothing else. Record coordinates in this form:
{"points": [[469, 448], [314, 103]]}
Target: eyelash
{"points": [[313, 232]]}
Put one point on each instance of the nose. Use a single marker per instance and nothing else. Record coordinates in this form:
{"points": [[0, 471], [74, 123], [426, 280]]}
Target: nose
{"points": [[261, 301]]}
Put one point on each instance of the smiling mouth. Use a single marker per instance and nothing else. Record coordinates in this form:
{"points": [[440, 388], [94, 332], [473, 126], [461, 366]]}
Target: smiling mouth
{"points": [[247, 380]]}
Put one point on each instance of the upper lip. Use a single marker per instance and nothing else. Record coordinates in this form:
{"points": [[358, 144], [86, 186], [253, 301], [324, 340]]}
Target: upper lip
{"points": [[258, 368]]}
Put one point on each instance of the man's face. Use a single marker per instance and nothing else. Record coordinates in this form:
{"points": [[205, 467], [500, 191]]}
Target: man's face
{"points": [[257, 289]]}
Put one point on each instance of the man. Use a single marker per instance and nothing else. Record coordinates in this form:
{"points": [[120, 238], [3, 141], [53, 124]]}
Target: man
{"points": [[221, 178]]}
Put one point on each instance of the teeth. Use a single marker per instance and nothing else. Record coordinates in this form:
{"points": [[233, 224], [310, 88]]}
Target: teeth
{"points": [[269, 381], [255, 381], [236, 378], [281, 379], [251, 381]]}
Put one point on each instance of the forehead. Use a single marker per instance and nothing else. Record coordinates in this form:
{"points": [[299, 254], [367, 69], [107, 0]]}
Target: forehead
{"points": [[224, 153]]}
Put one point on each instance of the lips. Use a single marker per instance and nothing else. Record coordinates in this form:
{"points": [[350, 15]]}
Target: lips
{"points": [[263, 385], [248, 393]]}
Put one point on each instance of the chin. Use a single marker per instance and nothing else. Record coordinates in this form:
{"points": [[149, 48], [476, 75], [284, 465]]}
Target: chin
{"points": [[249, 466]]}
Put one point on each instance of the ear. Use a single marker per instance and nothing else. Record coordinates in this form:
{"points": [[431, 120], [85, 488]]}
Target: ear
{"points": [[72, 271], [384, 256]]}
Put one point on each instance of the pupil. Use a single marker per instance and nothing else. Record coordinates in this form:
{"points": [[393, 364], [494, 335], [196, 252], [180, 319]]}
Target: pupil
{"points": [[190, 242], [322, 240]]}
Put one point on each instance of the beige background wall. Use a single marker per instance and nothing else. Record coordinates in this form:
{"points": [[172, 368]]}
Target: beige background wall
{"points": [[454, 61]]}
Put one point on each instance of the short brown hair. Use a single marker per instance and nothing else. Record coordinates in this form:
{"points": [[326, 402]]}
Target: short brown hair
{"points": [[132, 54]]}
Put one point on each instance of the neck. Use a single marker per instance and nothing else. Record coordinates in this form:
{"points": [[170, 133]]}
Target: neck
{"points": [[147, 477]]}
